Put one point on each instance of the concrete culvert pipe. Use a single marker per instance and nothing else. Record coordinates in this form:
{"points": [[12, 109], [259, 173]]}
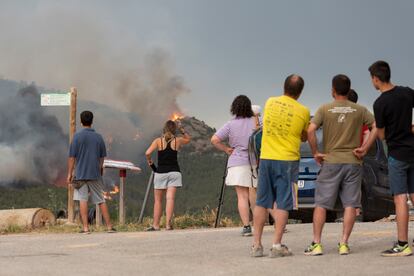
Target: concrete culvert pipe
{"points": [[31, 218]]}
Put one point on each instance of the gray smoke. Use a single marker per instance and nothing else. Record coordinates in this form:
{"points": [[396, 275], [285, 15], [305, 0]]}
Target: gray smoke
{"points": [[59, 45], [32, 143]]}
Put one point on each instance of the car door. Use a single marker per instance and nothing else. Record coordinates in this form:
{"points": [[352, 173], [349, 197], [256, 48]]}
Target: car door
{"points": [[376, 171]]}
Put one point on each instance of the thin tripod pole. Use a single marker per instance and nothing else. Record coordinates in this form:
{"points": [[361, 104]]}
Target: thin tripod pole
{"points": [[221, 198], [144, 203]]}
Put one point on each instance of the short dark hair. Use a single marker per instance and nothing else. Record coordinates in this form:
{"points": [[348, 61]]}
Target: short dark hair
{"points": [[381, 70], [86, 118], [294, 85], [341, 84], [242, 107], [353, 96]]}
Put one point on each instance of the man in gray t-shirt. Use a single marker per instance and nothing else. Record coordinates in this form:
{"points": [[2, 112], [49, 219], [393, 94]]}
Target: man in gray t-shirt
{"points": [[86, 156]]}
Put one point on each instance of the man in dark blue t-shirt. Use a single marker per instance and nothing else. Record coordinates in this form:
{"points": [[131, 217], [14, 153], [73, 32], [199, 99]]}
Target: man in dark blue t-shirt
{"points": [[393, 116], [86, 155]]}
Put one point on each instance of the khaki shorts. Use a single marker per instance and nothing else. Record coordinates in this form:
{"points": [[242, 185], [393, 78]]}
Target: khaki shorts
{"points": [[242, 176], [342, 179], [90, 188]]}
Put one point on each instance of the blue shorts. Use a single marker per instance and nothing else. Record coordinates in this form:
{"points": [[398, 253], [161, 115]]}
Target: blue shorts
{"points": [[400, 176], [278, 184]]}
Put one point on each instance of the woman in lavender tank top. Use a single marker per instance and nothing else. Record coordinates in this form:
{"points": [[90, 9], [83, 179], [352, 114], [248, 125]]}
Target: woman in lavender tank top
{"points": [[240, 172]]}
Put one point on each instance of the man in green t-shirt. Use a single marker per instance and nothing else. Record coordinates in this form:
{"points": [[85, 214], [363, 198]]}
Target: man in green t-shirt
{"points": [[341, 171]]}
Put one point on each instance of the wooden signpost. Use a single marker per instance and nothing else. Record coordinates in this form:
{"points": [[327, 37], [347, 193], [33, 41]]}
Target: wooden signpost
{"points": [[65, 99], [72, 121]]}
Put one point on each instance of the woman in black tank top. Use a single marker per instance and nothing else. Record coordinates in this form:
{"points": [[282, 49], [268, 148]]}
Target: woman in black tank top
{"points": [[167, 176], [167, 158]]}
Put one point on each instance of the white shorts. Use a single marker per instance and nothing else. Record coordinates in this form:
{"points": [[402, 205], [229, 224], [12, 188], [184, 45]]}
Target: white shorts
{"points": [[163, 181], [242, 176]]}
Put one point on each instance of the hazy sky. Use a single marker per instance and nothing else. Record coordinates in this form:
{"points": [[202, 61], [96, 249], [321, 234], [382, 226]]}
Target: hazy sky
{"points": [[223, 48]]}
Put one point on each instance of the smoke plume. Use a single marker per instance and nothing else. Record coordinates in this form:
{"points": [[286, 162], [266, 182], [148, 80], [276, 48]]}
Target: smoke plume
{"points": [[58, 45], [32, 143]]}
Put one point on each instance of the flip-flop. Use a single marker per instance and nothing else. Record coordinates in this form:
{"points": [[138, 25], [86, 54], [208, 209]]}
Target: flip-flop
{"points": [[169, 228], [84, 232]]}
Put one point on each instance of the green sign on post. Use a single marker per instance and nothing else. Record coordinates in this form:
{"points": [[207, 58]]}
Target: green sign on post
{"points": [[55, 99]]}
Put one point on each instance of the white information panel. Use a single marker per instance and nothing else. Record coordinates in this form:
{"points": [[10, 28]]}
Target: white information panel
{"points": [[55, 99]]}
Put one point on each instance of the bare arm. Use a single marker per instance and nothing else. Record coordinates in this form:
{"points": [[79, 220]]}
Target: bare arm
{"points": [[381, 133], [374, 133], [150, 150], [101, 162], [215, 140], [304, 136], [319, 157], [71, 166], [257, 120], [186, 137]]}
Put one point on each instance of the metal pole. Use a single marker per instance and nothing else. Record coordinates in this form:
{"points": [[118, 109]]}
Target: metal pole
{"points": [[122, 175], [144, 204], [72, 130], [221, 198]]}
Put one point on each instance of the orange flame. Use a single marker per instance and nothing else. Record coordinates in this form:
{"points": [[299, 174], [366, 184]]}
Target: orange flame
{"points": [[176, 116], [114, 191]]}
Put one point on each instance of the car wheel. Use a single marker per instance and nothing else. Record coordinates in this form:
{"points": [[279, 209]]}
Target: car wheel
{"points": [[364, 215]]}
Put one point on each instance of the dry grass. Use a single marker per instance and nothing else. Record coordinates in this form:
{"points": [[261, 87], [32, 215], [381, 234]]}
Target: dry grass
{"points": [[204, 219]]}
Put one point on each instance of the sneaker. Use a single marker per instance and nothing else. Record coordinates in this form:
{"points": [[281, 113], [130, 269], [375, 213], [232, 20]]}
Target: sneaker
{"points": [[314, 249], [283, 251], [343, 249], [397, 251], [246, 231], [256, 251]]}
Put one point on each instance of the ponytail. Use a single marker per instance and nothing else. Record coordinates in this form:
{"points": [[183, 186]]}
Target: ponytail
{"points": [[170, 129]]}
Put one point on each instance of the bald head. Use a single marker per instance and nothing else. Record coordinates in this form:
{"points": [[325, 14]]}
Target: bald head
{"points": [[293, 86]]}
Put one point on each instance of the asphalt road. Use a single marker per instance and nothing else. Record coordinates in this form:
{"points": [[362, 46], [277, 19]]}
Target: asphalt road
{"points": [[198, 252]]}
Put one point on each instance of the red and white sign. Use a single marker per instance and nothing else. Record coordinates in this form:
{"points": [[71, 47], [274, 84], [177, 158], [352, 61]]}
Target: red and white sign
{"points": [[116, 164]]}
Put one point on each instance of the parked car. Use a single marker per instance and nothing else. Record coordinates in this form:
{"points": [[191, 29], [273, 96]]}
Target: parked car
{"points": [[377, 201]]}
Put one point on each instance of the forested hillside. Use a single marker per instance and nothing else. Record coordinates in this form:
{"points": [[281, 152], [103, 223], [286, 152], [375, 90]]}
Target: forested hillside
{"points": [[202, 167]]}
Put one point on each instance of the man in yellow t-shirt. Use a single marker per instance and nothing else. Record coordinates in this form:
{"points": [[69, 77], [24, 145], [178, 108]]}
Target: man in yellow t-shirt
{"points": [[285, 123]]}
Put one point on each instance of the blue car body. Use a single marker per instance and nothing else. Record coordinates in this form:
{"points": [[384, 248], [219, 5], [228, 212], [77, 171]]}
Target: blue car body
{"points": [[377, 202]]}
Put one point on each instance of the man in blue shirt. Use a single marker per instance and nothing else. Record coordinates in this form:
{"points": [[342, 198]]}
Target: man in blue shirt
{"points": [[86, 155]]}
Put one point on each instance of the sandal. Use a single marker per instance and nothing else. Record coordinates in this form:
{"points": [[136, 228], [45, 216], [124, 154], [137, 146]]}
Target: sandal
{"points": [[169, 228], [152, 228], [111, 230], [84, 232]]}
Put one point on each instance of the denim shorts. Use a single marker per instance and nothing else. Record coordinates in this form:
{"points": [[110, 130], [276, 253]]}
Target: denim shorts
{"points": [[400, 176], [278, 184]]}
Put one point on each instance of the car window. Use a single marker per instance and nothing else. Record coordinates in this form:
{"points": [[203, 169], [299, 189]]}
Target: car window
{"points": [[305, 150]]}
